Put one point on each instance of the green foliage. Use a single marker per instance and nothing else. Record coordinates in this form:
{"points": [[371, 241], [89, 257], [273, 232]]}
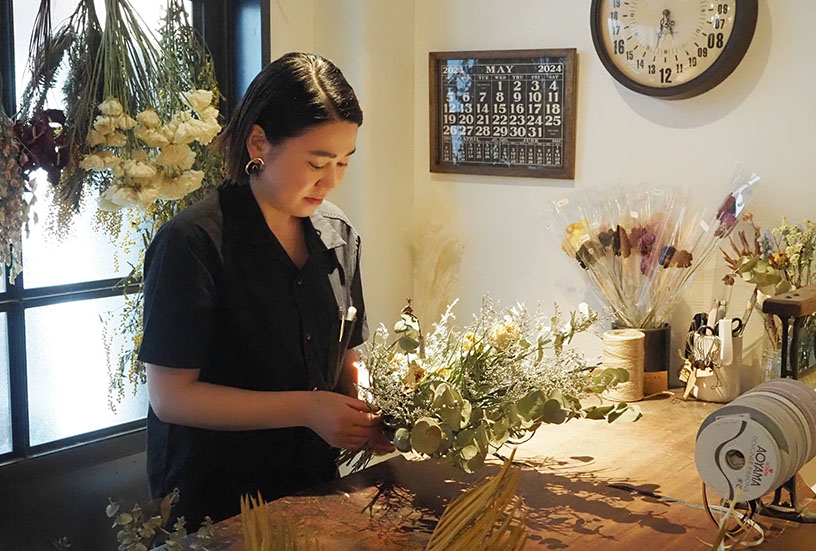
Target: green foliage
{"points": [[140, 530], [463, 394]]}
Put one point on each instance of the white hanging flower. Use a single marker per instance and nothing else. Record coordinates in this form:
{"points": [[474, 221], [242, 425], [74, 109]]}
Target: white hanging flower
{"points": [[149, 119], [152, 137], [178, 187], [197, 99], [111, 107], [209, 131], [105, 125], [176, 155], [102, 160], [116, 139], [189, 131], [124, 121], [95, 138], [138, 169], [208, 114]]}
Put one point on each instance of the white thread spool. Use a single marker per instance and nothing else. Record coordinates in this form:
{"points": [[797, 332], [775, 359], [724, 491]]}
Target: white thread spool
{"points": [[623, 349]]}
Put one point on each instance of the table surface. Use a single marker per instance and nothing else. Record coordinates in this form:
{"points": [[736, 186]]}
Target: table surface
{"points": [[589, 486]]}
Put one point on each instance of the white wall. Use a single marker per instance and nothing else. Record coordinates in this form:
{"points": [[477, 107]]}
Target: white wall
{"points": [[762, 115]]}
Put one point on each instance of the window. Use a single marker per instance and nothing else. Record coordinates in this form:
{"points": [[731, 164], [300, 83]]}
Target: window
{"points": [[53, 366]]}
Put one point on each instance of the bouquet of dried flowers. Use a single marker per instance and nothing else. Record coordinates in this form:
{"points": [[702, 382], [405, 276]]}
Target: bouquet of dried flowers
{"points": [[774, 261], [639, 246], [461, 394]]}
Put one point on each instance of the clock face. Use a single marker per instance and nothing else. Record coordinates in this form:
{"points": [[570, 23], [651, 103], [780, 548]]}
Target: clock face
{"points": [[672, 48]]}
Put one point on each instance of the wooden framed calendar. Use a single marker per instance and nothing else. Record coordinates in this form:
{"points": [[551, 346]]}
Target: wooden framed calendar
{"points": [[503, 113]]}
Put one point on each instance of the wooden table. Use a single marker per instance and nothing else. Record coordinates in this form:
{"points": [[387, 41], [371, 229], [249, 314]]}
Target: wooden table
{"points": [[589, 485]]}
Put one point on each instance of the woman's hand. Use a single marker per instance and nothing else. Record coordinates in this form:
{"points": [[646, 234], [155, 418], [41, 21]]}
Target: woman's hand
{"points": [[341, 421], [380, 443]]}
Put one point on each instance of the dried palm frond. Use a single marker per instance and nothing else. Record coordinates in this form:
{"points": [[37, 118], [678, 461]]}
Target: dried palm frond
{"points": [[264, 532], [488, 517]]}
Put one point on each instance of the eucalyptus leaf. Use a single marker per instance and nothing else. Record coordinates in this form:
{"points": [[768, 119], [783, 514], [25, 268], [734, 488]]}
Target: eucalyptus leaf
{"points": [[402, 439], [626, 414], [552, 412], [408, 344], [598, 412], [426, 436]]}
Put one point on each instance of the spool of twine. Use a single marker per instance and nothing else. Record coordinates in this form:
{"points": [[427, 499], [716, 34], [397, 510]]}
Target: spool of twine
{"points": [[623, 349]]}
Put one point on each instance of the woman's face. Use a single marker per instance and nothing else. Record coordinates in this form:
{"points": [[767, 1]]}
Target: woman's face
{"points": [[300, 172]]}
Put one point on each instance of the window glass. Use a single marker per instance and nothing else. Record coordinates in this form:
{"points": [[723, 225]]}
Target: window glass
{"points": [[68, 374], [5, 403]]}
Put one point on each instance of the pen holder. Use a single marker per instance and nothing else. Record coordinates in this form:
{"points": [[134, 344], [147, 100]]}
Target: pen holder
{"points": [[722, 382]]}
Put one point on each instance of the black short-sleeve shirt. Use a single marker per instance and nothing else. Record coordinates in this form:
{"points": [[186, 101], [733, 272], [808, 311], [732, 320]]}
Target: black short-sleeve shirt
{"points": [[222, 295]]}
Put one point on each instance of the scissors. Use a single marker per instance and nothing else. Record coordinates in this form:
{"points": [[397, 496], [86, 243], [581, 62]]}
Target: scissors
{"points": [[736, 330]]}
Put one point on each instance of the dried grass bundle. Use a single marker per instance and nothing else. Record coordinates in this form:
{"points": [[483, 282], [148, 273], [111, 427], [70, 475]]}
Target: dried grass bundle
{"points": [[263, 532], [436, 253], [488, 517]]}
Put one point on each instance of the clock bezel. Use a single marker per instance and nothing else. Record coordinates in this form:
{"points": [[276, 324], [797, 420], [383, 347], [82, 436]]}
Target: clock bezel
{"points": [[729, 57]]}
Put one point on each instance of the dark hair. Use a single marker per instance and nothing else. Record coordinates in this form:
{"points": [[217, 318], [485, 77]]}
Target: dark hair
{"points": [[288, 97]]}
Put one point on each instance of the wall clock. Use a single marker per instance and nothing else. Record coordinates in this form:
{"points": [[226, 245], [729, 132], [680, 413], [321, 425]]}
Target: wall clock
{"points": [[672, 49]]}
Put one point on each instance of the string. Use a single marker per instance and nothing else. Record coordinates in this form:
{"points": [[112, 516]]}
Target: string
{"points": [[623, 349]]}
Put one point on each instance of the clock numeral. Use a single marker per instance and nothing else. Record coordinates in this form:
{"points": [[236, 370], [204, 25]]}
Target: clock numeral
{"points": [[719, 23], [722, 9], [616, 30], [640, 64], [615, 3], [652, 69], [715, 40], [665, 76], [613, 15], [679, 68], [692, 61], [630, 55], [619, 46], [702, 52]]}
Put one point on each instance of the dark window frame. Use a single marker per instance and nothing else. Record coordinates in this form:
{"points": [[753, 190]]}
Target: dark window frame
{"points": [[220, 28]]}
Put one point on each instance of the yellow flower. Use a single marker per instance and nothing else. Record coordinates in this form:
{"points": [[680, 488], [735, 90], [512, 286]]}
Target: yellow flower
{"points": [[149, 119], [505, 333], [111, 107], [177, 155], [468, 340], [197, 99], [577, 234]]}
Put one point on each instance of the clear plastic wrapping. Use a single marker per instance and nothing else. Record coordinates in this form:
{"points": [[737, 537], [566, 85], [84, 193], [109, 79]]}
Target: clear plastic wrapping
{"points": [[639, 245]]}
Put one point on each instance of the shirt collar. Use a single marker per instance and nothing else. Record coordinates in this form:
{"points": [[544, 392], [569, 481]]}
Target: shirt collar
{"points": [[328, 235]]}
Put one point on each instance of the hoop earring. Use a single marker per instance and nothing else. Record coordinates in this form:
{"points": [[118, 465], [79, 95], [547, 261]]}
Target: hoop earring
{"points": [[254, 166]]}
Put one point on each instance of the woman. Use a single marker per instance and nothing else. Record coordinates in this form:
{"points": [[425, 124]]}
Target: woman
{"points": [[245, 295]]}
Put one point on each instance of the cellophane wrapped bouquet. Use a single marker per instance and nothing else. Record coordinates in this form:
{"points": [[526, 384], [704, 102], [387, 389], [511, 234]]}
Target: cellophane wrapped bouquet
{"points": [[640, 245], [463, 393]]}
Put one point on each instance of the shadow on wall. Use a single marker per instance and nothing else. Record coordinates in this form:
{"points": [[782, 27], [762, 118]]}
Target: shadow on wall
{"points": [[717, 102]]}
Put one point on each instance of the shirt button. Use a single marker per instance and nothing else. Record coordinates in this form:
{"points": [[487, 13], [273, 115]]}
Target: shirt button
{"points": [[317, 232], [299, 282], [308, 336]]}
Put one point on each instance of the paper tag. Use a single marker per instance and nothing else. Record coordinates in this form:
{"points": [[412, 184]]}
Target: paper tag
{"points": [[704, 225], [562, 203], [634, 214], [584, 238], [659, 192]]}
